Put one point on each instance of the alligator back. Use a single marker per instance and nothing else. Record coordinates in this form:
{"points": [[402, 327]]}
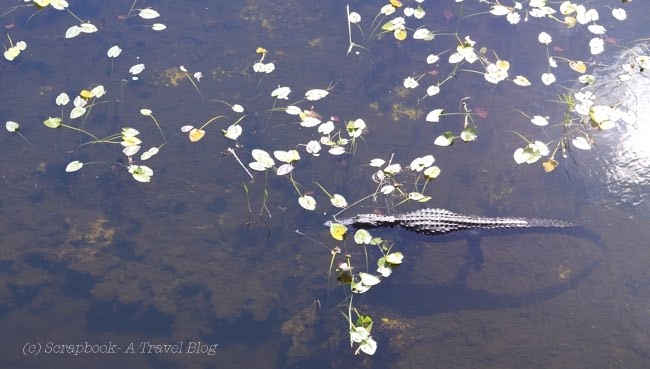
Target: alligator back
{"points": [[433, 221]]}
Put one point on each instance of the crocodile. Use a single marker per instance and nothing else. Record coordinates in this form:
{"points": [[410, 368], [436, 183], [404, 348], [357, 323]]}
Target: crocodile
{"points": [[437, 221]]}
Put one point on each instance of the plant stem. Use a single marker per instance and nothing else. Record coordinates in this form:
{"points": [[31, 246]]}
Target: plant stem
{"points": [[158, 125], [80, 130], [230, 150], [211, 120]]}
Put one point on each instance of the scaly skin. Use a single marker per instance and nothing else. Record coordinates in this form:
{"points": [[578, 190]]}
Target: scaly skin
{"points": [[435, 221]]}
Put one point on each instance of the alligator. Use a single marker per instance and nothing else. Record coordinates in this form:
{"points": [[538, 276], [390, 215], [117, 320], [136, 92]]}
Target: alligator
{"points": [[437, 221]]}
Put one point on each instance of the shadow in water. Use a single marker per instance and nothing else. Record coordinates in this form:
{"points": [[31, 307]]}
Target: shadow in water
{"points": [[127, 319], [456, 297]]}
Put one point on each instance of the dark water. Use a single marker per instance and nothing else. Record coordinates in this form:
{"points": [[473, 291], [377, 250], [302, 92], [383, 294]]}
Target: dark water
{"points": [[96, 259]]}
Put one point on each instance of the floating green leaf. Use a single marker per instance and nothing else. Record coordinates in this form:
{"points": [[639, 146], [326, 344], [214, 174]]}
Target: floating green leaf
{"points": [[362, 237], [307, 202], [469, 134], [74, 166], [53, 122], [369, 279], [12, 126], [141, 173], [445, 139], [395, 258], [148, 13], [338, 201]]}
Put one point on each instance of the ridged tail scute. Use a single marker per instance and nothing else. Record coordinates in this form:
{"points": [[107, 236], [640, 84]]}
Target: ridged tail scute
{"points": [[432, 221], [538, 222]]}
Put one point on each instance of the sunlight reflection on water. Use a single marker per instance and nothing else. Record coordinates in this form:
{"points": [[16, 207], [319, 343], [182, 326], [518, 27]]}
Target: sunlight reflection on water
{"points": [[626, 164]]}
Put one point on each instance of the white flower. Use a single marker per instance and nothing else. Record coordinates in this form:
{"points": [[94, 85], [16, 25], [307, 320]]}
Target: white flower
{"points": [[433, 90], [513, 18], [597, 46], [497, 72], [410, 82], [354, 17], [544, 38]]}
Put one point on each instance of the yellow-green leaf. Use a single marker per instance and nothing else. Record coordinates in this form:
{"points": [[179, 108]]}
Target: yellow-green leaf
{"points": [[549, 165], [578, 66], [86, 94], [196, 134], [338, 231], [400, 34]]}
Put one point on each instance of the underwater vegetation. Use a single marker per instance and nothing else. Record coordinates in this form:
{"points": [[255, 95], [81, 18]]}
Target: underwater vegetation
{"points": [[546, 138]]}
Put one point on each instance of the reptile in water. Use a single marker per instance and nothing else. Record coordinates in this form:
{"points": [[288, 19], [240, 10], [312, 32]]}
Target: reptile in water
{"points": [[437, 221]]}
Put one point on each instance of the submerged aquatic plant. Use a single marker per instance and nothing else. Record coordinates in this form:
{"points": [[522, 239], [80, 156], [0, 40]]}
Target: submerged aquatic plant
{"points": [[448, 56]]}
